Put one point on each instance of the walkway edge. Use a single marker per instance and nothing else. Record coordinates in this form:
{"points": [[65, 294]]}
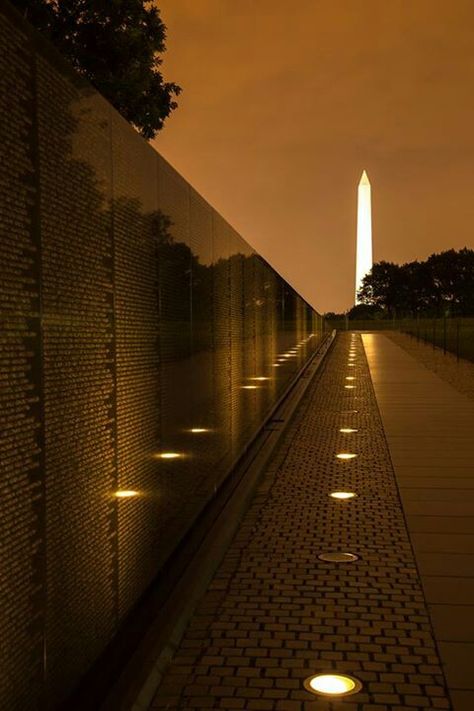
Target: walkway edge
{"points": [[166, 630]]}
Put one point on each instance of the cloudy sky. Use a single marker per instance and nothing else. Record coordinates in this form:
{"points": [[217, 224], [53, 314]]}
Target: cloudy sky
{"points": [[285, 103]]}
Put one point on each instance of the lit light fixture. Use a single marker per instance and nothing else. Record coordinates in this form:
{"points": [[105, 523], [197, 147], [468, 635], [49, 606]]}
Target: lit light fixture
{"points": [[343, 495], [332, 684], [348, 430], [198, 430], [350, 377], [250, 387], [125, 493], [259, 377], [338, 557], [351, 365], [168, 455], [346, 455], [275, 365], [349, 387]]}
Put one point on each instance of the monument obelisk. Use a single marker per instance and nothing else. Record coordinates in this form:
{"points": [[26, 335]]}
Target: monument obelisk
{"points": [[364, 233]]}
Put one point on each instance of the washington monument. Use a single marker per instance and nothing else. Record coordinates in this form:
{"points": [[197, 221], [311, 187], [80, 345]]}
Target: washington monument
{"points": [[364, 233]]}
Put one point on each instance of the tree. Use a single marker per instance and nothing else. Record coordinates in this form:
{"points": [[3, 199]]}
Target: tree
{"points": [[443, 283], [452, 275], [365, 312], [332, 316], [116, 44], [381, 286]]}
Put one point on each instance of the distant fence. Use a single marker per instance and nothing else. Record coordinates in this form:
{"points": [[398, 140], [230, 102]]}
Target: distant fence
{"points": [[451, 335], [143, 344]]}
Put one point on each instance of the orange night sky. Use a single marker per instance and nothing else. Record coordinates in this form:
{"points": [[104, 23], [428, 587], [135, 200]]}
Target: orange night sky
{"points": [[284, 104]]}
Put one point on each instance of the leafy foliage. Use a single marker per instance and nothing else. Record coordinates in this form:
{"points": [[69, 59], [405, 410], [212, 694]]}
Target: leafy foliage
{"points": [[116, 44], [444, 283]]}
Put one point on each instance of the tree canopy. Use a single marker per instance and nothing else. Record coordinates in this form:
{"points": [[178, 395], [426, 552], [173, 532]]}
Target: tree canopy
{"points": [[444, 283], [117, 45]]}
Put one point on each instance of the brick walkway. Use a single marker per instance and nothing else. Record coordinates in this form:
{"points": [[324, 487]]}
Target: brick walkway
{"points": [[275, 614]]}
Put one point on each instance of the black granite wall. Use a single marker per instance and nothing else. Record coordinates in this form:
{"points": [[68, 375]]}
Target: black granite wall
{"points": [[131, 313]]}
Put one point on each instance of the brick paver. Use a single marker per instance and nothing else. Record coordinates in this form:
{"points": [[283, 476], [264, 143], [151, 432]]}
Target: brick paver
{"points": [[275, 614]]}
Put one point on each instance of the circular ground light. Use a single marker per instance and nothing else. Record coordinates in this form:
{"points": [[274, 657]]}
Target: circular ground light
{"points": [[338, 557], [343, 495], [332, 684]]}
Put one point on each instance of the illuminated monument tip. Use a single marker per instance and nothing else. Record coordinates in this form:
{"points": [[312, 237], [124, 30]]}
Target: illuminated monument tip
{"points": [[364, 232]]}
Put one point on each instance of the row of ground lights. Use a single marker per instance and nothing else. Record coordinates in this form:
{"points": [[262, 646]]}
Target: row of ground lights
{"points": [[292, 353], [331, 683]]}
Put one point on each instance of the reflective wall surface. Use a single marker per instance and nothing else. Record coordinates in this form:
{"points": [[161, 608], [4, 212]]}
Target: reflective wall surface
{"points": [[142, 344]]}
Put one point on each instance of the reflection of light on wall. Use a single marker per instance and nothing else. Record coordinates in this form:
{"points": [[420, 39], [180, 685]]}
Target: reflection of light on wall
{"points": [[250, 387], [260, 377], [364, 233]]}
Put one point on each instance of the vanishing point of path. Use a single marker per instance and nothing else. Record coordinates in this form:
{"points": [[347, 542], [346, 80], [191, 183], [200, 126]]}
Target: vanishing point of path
{"points": [[276, 614]]}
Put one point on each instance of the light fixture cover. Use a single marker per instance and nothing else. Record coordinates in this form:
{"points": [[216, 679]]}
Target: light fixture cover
{"points": [[332, 684]]}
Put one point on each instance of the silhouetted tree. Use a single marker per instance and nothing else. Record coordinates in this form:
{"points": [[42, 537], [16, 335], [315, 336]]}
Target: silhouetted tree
{"points": [[443, 283], [365, 312], [116, 44], [332, 316], [452, 275], [381, 286]]}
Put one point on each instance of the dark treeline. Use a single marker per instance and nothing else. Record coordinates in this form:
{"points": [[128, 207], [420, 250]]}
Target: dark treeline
{"points": [[442, 285], [118, 46]]}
